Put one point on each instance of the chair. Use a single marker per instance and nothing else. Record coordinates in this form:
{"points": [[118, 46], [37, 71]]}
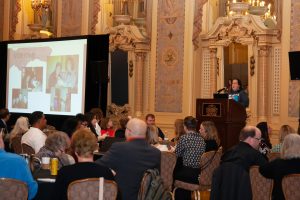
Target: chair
{"points": [[16, 144], [27, 149], [290, 187], [13, 189], [92, 189], [273, 155], [209, 162], [167, 165], [261, 186]]}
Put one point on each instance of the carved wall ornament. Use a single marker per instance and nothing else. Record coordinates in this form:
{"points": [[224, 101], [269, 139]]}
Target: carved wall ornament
{"points": [[252, 65], [115, 112], [170, 57], [264, 51], [130, 68]]}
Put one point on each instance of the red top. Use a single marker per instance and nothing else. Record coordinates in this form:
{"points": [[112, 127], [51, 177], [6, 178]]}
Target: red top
{"points": [[110, 132]]}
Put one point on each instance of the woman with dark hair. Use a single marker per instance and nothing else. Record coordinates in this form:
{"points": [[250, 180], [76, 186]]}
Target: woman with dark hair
{"points": [[237, 93], [265, 144], [190, 147], [71, 125], [120, 133], [91, 122]]}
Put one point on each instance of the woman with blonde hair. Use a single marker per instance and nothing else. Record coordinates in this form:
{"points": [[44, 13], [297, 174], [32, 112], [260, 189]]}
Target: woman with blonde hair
{"points": [[209, 133], [283, 132], [179, 130], [152, 135], [289, 163], [19, 129]]}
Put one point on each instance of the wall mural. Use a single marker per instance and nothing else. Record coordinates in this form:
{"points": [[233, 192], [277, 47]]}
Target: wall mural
{"points": [[170, 54], [294, 86]]}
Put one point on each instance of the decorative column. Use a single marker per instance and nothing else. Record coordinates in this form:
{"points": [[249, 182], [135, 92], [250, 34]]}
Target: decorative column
{"points": [[213, 70], [139, 63], [262, 92]]}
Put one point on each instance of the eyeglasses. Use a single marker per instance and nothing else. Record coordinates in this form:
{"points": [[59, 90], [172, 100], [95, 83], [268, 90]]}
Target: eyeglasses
{"points": [[258, 139]]}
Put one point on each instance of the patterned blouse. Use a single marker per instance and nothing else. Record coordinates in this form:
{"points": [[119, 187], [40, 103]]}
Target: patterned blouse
{"points": [[190, 147]]}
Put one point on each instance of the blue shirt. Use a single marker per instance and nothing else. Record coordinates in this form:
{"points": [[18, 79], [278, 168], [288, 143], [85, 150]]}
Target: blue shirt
{"points": [[15, 167]]}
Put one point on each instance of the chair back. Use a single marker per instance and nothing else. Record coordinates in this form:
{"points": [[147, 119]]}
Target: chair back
{"points": [[27, 149], [13, 189], [261, 186], [16, 144], [209, 161], [92, 189], [167, 165], [273, 155], [290, 186]]}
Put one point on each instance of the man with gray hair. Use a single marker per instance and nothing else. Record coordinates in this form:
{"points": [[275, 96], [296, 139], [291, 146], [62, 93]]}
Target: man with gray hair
{"points": [[231, 179], [130, 159]]}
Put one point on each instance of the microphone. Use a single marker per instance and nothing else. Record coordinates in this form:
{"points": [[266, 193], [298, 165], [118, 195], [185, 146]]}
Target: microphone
{"points": [[220, 90]]}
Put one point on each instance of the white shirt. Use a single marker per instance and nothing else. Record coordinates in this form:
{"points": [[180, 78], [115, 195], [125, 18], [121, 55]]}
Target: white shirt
{"points": [[35, 138], [98, 129]]}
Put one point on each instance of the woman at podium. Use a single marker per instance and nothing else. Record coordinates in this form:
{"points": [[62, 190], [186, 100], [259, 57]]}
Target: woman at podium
{"points": [[237, 93]]}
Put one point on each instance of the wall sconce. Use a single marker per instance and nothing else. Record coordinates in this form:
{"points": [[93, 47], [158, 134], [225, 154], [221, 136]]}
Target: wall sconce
{"points": [[130, 68], [252, 65]]}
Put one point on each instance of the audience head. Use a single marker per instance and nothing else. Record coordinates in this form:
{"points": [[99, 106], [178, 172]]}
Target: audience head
{"points": [[91, 118], [98, 112], [38, 120], [106, 123], [251, 135], [84, 143], [152, 134], [57, 142], [190, 123], [209, 131], [70, 125], [236, 84], [179, 129], [21, 125], [123, 122], [82, 120], [284, 131], [291, 146], [136, 128], [150, 119], [4, 114], [265, 131]]}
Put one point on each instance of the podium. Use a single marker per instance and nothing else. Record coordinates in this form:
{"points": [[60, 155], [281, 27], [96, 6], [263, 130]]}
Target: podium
{"points": [[228, 116]]}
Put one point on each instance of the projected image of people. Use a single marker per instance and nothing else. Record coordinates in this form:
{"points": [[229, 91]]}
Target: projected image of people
{"points": [[19, 98], [55, 78], [60, 99], [32, 79], [70, 75]]}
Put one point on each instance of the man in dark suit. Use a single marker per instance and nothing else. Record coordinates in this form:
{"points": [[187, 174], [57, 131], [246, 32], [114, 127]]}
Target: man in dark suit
{"points": [[130, 159], [4, 117]]}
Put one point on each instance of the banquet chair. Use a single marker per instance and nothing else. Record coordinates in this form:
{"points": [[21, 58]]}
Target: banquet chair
{"points": [[26, 149], [92, 189], [16, 144], [261, 187], [13, 189], [167, 165], [209, 161], [273, 155], [290, 186]]}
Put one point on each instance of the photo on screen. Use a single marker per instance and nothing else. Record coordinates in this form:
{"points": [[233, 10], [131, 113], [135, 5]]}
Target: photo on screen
{"points": [[60, 99], [32, 79], [19, 98]]}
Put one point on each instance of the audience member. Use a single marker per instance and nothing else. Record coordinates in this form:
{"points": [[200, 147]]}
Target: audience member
{"points": [[55, 147], [15, 167], [238, 93], [131, 159], [231, 179], [107, 127], [265, 145], [21, 127], [179, 130], [283, 132], [189, 149], [82, 120], [120, 133], [83, 143], [150, 120], [152, 135], [99, 115], [34, 137], [91, 119], [289, 163], [4, 117], [71, 125], [209, 133]]}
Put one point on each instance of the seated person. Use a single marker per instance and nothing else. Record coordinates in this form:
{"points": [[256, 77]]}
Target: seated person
{"points": [[150, 120], [83, 143], [120, 133], [20, 127], [289, 163], [283, 132], [189, 149], [265, 145], [209, 133], [131, 159], [107, 128], [179, 130], [15, 167], [55, 147]]}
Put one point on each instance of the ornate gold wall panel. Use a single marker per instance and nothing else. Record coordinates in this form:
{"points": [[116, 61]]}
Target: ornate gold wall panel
{"points": [[1, 19], [71, 21], [170, 56]]}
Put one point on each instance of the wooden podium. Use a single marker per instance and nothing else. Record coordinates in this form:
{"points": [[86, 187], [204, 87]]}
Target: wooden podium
{"points": [[228, 116]]}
